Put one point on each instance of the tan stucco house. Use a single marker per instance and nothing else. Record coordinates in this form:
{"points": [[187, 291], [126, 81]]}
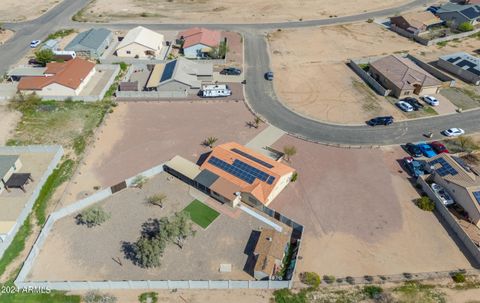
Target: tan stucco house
{"points": [[140, 42]]}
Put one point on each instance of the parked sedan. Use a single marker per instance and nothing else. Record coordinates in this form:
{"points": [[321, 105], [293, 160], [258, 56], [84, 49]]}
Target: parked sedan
{"points": [[380, 121], [439, 147], [427, 151], [35, 43], [414, 103], [453, 132], [404, 106], [232, 71], [413, 150], [269, 76], [431, 100], [442, 194]]}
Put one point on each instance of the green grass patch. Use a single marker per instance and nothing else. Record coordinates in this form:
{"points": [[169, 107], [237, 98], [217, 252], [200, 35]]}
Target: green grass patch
{"points": [[68, 123], [412, 292], [287, 296], [60, 34], [53, 297], [201, 214], [58, 176]]}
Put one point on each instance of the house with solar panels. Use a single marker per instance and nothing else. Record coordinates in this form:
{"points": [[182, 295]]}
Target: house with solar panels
{"points": [[179, 76], [232, 173], [457, 14], [461, 182], [462, 65]]}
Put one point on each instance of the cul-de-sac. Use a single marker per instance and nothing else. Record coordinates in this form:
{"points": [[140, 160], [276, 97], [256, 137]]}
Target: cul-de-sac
{"points": [[255, 151]]}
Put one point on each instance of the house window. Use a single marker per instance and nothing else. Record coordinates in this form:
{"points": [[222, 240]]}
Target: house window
{"points": [[129, 52]]}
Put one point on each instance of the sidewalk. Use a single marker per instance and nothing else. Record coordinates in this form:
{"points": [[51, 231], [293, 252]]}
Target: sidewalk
{"points": [[266, 138]]}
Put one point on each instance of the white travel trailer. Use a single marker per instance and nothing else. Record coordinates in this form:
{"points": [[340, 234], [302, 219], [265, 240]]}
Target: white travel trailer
{"points": [[217, 90]]}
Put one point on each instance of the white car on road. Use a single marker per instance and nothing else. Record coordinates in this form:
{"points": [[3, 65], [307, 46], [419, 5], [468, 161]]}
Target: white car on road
{"points": [[35, 43], [404, 106], [431, 100], [453, 132], [442, 194]]}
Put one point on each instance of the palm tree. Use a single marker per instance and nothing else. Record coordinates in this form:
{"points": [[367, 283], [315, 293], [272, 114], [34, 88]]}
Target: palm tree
{"points": [[289, 151], [256, 122], [210, 141]]}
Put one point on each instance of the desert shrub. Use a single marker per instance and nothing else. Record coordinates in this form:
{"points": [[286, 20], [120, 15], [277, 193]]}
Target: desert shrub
{"points": [[311, 279], [425, 203], [139, 181], [294, 177], [97, 297], [372, 291], [92, 216], [407, 275], [350, 280], [285, 295], [148, 297], [368, 278], [465, 27], [329, 279], [458, 277]]}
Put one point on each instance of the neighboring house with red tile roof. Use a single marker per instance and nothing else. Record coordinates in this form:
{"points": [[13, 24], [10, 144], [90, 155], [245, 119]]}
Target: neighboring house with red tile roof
{"points": [[59, 79], [403, 77], [232, 173], [197, 42]]}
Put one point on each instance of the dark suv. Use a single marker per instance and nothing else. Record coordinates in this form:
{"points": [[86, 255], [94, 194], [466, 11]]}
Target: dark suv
{"points": [[414, 103], [380, 121], [231, 71]]}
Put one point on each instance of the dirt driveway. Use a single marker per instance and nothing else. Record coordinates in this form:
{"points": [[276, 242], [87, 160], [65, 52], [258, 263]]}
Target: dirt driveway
{"points": [[140, 135], [359, 218]]}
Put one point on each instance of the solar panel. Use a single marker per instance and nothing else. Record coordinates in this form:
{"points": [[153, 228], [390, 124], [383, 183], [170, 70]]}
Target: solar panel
{"points": [[248, 156], [471, 13], [445, 169], [476, 194], [242, 170], [168, 70]]}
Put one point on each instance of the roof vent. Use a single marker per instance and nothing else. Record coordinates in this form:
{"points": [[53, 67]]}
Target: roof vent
{"points": [[269, 239]]}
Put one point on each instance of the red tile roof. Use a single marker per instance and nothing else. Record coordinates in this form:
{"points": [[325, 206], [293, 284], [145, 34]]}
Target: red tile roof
{"points": [[70, 74], [197, 35], [259, 189]]}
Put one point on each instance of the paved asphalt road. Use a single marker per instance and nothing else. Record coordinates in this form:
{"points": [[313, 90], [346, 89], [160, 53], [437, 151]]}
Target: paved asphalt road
{"points": [[262, 100], [260, 93]]}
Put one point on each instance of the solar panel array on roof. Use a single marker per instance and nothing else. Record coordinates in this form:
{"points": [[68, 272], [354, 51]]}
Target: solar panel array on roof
{"points": [[445, 169], [168, 70], [248, 156], [471, 13], [476, 194], [242, 170], [461, 163], [453, 59]]}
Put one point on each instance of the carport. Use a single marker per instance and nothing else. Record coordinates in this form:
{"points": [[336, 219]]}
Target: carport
{"points": [[18, 181]]}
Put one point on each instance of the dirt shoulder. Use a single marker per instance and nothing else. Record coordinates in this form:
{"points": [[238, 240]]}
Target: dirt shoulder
{"points": [[15, 11], [229, 11]]}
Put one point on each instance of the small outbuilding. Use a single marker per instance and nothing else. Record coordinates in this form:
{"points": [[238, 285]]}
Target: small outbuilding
{"points": [[9, 164]]}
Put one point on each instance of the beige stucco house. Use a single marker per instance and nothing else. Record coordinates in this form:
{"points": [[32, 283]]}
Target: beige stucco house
{"points": [[140, 42]]}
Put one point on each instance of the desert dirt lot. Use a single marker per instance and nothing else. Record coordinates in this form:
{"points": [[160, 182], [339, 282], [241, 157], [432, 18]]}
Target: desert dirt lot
{"points": [[12, 10], [83, 253], [8, 123], [359, 216], [140, 135], [313, 79], [229, 11]]}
